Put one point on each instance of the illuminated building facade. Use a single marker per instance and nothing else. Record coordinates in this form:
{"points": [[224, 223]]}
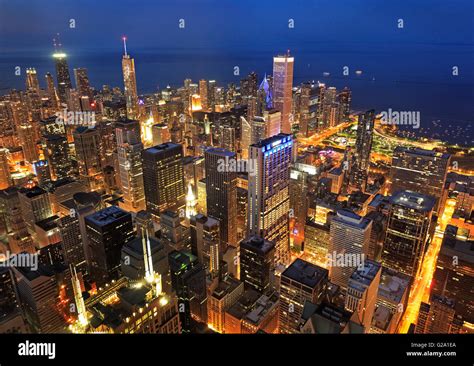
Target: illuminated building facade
{"points": [[408, 232], [62, 75], [257, 263], [222, 298], [88, 147], [349, 245], [282, 88], [129, 150], [130, 83], [221, 193], [163, 178], [300, 282], [454, 274], [205, 242], [420, 171], [361, 297], [268, 193], [361, 158]]}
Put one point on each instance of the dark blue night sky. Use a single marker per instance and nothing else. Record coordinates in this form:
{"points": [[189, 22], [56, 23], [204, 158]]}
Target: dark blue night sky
{"points": [[407, 69]]}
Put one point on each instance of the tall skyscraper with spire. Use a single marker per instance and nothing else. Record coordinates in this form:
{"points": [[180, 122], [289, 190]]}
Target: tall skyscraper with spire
{"points": [[282, 88], [130, 82], [62, 70]]}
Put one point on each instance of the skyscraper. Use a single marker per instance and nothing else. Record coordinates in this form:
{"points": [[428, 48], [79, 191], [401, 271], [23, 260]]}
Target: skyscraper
{"points": [[130, 83], [35, 206], [72, 240], [204, 92], [11, 317], [420, 171], [107, 231], [57, 154], [32, 82], [454, 275], [205, 243], [345, 98], [361, 296], [188, 279], [62, 75], [361, 158], [349, 245], [438, 316], [82, 83], [248, 85], [38, 290], [88, 146], [308, 109], [268, 193], [221, 193], [129, 150], [257, 262], [282, 88], [408, 231], [50, 88], [163, 177], [300, 282]]}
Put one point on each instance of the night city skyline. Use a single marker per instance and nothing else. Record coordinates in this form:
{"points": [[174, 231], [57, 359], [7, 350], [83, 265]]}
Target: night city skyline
{"points": [[216, 167]]}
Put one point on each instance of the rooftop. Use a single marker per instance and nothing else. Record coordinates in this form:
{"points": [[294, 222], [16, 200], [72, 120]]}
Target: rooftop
{"points": [[107, 215], [365, 275], [418, 151], [226, 287], [414, 200], [306, 273], [158, 149], [393, 285], [32, 192], [49, 223], [273, 141], [351, 218], [136, 245], [258, 244], [220, 152]]}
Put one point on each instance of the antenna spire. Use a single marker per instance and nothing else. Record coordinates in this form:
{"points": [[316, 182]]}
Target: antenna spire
{"points": [[124, 39], [57, 42]]}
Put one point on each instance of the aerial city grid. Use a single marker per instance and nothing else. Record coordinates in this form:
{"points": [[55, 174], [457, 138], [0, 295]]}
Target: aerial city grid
{"points": [[262, 204]]}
